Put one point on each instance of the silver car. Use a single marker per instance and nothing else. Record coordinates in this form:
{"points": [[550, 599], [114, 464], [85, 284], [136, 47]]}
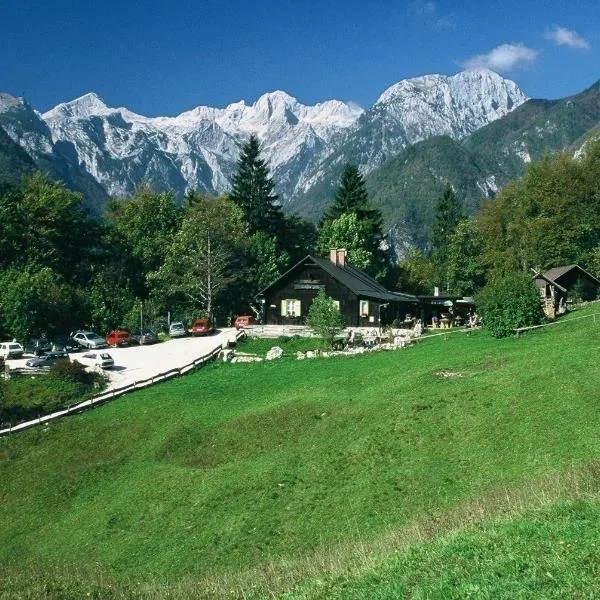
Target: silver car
{"points": [[89, 339], [177, 329]]}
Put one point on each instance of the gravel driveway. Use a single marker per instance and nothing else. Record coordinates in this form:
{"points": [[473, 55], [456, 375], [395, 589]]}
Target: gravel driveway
{"points": [[136, 363]]}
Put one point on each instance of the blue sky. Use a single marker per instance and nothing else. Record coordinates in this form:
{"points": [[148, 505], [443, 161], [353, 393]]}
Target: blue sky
{"points": [[160, 58]]}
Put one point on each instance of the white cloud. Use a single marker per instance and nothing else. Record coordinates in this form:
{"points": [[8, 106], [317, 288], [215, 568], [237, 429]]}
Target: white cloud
{"points": [[428, 11], [503, 58], [562, 36]]}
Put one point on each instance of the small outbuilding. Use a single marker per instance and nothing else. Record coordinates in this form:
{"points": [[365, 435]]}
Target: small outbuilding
{"points": [[560, 284], [362, 301]]}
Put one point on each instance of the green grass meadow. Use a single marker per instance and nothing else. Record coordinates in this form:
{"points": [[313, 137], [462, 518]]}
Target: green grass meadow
{"points": [[453, 468]]}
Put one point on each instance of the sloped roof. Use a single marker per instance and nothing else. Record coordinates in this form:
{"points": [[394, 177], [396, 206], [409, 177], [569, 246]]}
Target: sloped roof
{"points": [[357, 281], [557, 272], [541, 279]]}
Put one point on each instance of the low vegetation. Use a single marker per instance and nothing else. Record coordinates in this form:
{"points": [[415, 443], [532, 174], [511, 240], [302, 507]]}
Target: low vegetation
{"points": [[311, 477], [27, 396]]}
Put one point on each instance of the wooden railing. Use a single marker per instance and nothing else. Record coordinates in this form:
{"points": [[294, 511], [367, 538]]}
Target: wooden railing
{"points": [[117, 392]]}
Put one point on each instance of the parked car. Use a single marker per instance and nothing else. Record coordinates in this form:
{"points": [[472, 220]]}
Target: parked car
{"points": [[146, 337], [202, 327], [102, 360], [47, 360], [244, 321], [11, 350], [177, 329], [119, 337], [38, 346], [89, 339], [64, 343]]}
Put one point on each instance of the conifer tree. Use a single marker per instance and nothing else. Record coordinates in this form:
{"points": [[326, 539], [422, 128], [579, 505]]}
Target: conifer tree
{"points": [[448, 214], [352, 197], [253, 191]]}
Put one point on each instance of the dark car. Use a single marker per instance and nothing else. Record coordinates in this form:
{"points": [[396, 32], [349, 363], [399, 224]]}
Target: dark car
{"points": [[66, 343], [146, 337], [47, 360], [38, 346]]}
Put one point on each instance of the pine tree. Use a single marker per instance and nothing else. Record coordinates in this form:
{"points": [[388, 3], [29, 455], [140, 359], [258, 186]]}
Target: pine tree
{"points": [[448, 214], [253, 191], [352, 197]]}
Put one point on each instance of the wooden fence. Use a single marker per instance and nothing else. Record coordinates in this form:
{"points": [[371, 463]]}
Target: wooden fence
{"points": [[117, 392]]}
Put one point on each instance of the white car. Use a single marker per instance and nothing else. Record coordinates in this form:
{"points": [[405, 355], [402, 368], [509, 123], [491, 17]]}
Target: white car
{"points": [[11, 350], [89, 339], [177, 330], [102, 360]]}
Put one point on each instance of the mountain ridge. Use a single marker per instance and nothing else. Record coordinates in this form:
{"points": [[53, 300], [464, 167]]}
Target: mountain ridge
{"points": [[198, 148]]}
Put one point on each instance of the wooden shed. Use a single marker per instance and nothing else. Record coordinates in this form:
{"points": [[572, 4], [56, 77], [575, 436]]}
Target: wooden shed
{"points": [[559, 284]]}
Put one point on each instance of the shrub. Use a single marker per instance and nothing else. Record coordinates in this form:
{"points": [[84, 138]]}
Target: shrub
{"points": [[508, 303], [324, 318], [76, 373]]}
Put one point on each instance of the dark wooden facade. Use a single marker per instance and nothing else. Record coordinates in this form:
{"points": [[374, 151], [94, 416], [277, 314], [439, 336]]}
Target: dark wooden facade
{"points": [[362, 301]]}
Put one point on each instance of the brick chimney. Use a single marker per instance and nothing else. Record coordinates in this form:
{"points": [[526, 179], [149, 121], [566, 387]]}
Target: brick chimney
{"points": [[337, 256]]}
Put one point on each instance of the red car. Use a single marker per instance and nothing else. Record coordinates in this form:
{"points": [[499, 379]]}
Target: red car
{"points": [[201, 327], [119, 337], [244, 321]]}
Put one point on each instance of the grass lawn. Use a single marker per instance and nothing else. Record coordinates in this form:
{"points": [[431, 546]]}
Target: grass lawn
{"points": [[260, 476], [289, 345]]}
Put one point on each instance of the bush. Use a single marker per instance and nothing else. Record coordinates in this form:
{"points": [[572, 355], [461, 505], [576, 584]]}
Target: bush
{"points": [[508, 303], [74, 372], [324, 318]]}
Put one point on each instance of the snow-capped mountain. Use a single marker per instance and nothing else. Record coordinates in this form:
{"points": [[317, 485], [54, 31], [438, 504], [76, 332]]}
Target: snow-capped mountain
{"points": [[414, 110], [198, 148], [304, 145], [26, 127]]}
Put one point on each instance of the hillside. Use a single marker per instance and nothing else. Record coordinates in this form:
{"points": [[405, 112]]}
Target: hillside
{"points": [[407, 186], [32, 144], [215, 481], [14, 161]]}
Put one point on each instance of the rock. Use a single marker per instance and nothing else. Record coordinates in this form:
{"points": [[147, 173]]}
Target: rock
{"points": [[227, 355], [300, 355], [274, 352], [246, 359], [310, 354]]}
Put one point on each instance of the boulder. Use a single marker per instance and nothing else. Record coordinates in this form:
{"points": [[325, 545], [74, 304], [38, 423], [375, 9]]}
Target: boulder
{"points": [[245, 358], [274, 352]]}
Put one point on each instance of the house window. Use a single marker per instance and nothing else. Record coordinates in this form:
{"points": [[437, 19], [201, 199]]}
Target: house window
{"points": [[364, 308], [337, 304], [290, 308]]}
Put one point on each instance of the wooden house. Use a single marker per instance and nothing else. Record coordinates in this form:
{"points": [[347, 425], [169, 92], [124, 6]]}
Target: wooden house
{"points": [[559, 284], [362, 300]]}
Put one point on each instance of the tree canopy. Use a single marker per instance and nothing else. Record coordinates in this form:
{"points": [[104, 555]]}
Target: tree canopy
{"points": [[364, 235]]}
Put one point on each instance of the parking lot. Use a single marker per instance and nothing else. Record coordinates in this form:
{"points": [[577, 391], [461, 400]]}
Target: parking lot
{"points": [[135, 363]]}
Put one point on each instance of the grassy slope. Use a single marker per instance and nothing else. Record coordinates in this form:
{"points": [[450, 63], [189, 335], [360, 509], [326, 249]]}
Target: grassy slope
{"points": [[242, 465], [547, 553]]}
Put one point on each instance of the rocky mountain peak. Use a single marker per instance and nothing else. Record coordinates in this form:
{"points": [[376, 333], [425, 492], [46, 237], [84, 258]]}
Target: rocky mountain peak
{"points": [[88, 105]]}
